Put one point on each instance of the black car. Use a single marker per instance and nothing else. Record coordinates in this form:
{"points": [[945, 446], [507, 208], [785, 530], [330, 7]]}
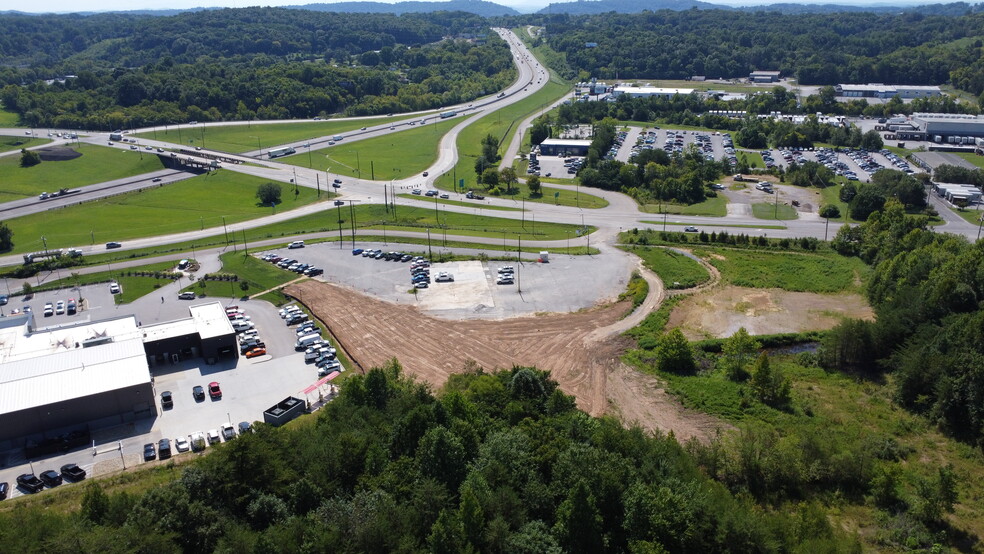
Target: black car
{"points": [[51, 478], [110, 245], [149, 452], [4, 489], [245, 427], [198, 392], [167, 401], [30, 483], [164, 448], [72, 472]]}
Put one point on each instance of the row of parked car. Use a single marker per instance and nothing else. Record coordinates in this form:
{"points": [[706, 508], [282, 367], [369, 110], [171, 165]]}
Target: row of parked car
{"points": [[291, 264], [317, 350], [31, 483], [196, 442], [60, 307], [251, 344]]}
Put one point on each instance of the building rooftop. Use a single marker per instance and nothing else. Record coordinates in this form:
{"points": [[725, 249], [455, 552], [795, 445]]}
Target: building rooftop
{"points": [[211, 320], [652, 90], [566, 142]]}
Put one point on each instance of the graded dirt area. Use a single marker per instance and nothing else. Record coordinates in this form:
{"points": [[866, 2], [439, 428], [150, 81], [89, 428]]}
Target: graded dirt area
{"points": [[580, 349], [719, 312], [58, 154]]}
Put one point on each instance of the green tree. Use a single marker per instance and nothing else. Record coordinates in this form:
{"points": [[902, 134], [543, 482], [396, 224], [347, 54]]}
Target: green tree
{"points": [[769, 384], [95, 504], [579, 522], [29, 158], [508, 177], [490, 178], [830, 211], [446, 536], [481, 164], [6, 237], [737, 352], [490, 148], [872, 141], [674, 354], [472, 518], [533, 183], [868, 200], [269, 193]]}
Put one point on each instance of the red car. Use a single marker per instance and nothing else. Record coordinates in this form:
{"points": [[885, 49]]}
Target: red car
{"points": [[254, 352], [213, 390]]}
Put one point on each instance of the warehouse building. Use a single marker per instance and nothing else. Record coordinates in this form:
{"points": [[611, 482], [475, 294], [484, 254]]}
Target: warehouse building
{"points": [[643, 92], [95, 374], [949, 128], [564, 147], [876, 90], [764, 76]]}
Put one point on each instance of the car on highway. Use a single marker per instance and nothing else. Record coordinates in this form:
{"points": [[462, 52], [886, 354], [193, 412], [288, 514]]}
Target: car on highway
{"points": [[214, 391], [111, 245], [187, 295], [416, 191], [72, 472], [150, 452], [51, 478], [198, 393], [445, 196], [363, 129], [30, 482], [156, 180], [426, 174], [339, 202], [690, 229]]}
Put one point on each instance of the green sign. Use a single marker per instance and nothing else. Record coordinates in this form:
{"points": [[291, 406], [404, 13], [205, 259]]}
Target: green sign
{"points": [[556, 194]]}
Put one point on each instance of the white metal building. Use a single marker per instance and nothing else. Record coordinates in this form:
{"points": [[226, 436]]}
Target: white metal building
{"points": [[639, 92]]}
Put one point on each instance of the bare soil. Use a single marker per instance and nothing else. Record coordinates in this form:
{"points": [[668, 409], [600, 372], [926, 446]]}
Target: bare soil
{"points": [[719, 312], [57, 154], [581, 350]]}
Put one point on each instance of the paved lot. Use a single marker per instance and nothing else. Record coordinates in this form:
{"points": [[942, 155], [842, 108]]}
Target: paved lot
{"points": [[565, 284]]}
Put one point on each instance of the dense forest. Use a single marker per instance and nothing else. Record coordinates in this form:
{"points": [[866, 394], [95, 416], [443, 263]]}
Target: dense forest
{"points": [[817, 49], [495, 462], [241, 64]]}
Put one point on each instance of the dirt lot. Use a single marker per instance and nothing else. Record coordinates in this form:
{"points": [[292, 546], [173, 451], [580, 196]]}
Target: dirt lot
{"points": [[740, 200], [574, 347], [719, 312]]}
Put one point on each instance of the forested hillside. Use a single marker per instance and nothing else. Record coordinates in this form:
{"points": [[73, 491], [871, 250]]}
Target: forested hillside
{"points": [[817, 49], [255, 63], [498, 462]]}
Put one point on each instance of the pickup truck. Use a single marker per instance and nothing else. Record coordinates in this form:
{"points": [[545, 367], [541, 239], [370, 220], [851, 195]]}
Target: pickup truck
{"points": [[473, 196]]}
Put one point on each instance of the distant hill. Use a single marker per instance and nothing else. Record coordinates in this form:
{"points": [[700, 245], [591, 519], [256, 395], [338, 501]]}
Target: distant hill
{"points": [[478, 7], [951, 9], [586, 7]]}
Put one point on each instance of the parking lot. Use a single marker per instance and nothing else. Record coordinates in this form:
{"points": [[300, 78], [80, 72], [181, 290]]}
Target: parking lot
{"points": [[565, 284], [249, 386]]}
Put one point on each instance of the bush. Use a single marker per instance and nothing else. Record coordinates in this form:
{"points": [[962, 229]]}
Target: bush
{"points": [[830, 211]]}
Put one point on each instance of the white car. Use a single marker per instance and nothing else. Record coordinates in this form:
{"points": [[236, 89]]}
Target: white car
{"points": [[181, 444], [213, 436], [114, 288], [444, 277], [228, 432], [690, 229], [60, 307]]}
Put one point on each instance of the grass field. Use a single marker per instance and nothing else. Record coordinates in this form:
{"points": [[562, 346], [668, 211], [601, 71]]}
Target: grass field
{"points": [[712, 207], [970, 215], [787, 270], [678, 224], [8, 143], [773, 211], [675, 269], [392, 156], [97, 164], [132, 286], [192, 204], [753, 159], [9, 119], [262, 136], [259, 276], [972, 158]]}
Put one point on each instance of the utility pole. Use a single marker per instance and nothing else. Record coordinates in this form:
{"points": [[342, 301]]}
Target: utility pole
{"points": [[245, 246], [352, 215], [372, 171], [430, 253], [341, 241]]}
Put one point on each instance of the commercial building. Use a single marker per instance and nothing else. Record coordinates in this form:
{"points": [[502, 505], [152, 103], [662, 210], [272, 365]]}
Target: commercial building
{"points": [[95, 374], [564, 147], [949, 128], [764, 76], [639, 92], [877, 90], [958, 195]]}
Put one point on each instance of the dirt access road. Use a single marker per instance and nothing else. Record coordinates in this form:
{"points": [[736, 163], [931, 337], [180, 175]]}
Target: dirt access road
{"points": [[581, 350]]}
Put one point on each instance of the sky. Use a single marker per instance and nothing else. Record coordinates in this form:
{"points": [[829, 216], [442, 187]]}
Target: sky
{"points": [[68, 6]]}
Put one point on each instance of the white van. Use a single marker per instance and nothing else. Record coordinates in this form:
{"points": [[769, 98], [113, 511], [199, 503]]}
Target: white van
{"points": [[306, 341], [296, 244]]}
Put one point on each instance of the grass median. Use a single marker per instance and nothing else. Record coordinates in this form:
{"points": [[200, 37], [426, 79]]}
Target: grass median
{"points": [[257, 275], [8, 143], [675, 269], [711, 207], [193, 204]]}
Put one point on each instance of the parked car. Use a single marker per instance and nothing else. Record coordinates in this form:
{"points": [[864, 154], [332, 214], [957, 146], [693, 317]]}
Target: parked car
{"points": [[4, 489], [72, 472], [72, 306], [51, 478], [228, 432], [164, 448], [49, 310], [187, 295], [245, 427], [60, 307], [167, 400], [181, 444], [198, 392], [213, 436], [255, 352], [214, 391], [30, 483], [444, 277], [114, 288], [150, 452]]}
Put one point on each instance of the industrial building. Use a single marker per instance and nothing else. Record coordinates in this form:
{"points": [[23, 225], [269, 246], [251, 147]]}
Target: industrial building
{"points": [[564, 147], [94, 374], [958, 195], [764, 76], [947, 128], [640, 92], [876, 90]]}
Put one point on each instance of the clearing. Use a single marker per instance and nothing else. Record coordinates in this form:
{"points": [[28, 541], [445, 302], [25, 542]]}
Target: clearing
{"points": [[720, 312], [575, 347]]}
